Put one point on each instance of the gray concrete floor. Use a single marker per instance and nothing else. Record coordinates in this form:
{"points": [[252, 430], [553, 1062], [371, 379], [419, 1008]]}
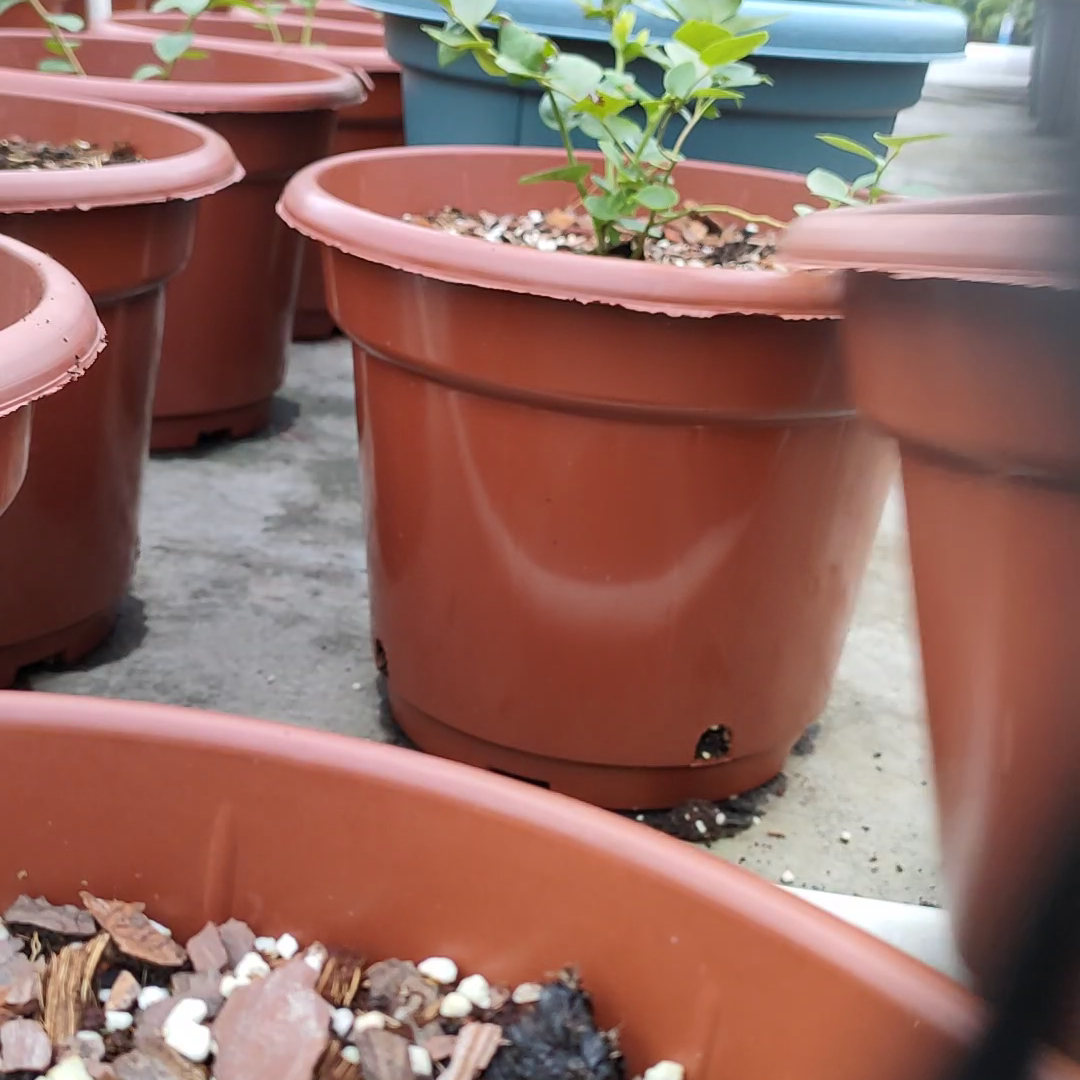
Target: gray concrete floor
{"points": [[251, 594]]}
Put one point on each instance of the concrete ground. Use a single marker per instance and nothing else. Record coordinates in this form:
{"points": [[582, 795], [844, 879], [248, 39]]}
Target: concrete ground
{"points": [[251, 594]]}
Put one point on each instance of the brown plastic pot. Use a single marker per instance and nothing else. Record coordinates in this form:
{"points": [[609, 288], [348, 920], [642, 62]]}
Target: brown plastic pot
{"points": [[374, 122], [527, 882], [954, 348], [68, 545], [609, 506], [49, 335], [230, 312]]}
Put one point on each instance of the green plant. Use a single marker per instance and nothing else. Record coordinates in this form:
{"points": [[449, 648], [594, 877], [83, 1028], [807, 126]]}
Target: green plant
{"points": [[835, 191], [169, 47], [62, 49], [641, 134]]}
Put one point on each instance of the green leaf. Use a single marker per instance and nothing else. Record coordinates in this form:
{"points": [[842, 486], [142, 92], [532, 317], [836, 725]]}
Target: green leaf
{"points": [[849, 146], [528, 51], [624, 130], [657, 197], [678, 53], [716, 93], [575, 77], [827, 185], [570, 174], [148, 71], [727, 52], [56, 65], [740, 74], [7, 5], [801, 209], [632, 224], [603, 207], [547, 112], [472, 12], [897, 142], [700, 35], [170, 47], [71, 24], [194, 54], [680, 80], [53, 46]]}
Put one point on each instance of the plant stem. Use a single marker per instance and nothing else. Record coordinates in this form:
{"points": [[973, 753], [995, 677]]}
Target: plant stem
{"points": [[571, 159], [58, 37], [307, 32], [272, 26], [734, 211]]}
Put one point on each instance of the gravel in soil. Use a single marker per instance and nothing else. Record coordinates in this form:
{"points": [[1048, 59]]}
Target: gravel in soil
{"points": [[17, 153], [699, 239], [104, 992]]}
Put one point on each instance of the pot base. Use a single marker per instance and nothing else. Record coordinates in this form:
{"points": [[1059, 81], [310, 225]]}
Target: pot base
{"points": [[63, 647], [615, 787], [313, 325], [186, 432]]}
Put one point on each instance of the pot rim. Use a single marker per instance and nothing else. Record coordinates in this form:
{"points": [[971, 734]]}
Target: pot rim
{"points": [[669, 290], [190, 174], [334, 88], [992, 239], [824, 937], [55, 341], [359, 59]]}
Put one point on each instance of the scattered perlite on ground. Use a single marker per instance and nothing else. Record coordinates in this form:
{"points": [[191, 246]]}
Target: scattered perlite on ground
{"points": [[103, 992]]}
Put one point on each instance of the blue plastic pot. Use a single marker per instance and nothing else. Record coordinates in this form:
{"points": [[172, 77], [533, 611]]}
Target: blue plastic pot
{"points": [[841, 67]]}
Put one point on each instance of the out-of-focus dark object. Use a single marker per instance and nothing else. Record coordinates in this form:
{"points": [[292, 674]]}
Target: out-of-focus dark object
{"points": [[1055, 67], [956, 343], [1032, 1004]]}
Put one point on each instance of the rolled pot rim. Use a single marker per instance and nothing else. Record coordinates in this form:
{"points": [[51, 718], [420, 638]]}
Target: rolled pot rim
{"points": [[333, 87], [1017, 239], [55, 342], [189, 174], [359, 58], [823, 936], [669, 290]]}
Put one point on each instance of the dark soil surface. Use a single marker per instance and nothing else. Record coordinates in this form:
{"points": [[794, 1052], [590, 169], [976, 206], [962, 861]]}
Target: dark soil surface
{"points": [[700, 821], [16, 153], [695, 240], [102, 992]]}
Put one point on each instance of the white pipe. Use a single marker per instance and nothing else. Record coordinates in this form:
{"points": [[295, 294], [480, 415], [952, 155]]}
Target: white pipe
{"points": [[98, 11], [922, 932]]}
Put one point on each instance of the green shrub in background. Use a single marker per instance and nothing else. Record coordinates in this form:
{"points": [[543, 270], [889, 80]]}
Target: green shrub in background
{"points": [[984, 18]]}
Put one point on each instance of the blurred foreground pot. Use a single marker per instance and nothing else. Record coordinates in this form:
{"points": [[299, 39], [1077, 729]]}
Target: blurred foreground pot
{"points": [[954, 346], [69, 543], [372, 122], [774, 987], [49, 335], [230, 312], [610, 506]]}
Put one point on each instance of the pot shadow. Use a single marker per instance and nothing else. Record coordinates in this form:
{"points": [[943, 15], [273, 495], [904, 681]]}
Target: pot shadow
{"points": [[284, 413], [127, 635]]}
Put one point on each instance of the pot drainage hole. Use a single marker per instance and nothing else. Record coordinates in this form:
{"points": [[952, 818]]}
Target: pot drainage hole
{"points": [[103, 992]]}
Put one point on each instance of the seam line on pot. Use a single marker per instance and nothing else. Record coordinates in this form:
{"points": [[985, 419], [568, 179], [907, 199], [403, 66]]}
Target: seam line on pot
{"points": [[669, 415]]}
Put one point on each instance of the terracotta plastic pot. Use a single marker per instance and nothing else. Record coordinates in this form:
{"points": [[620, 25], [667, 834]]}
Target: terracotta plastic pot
{"points": [[230, 312], [774, 987], [970, 372], [49, 335], [609, 506], [68, 544], [373, 122]]}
